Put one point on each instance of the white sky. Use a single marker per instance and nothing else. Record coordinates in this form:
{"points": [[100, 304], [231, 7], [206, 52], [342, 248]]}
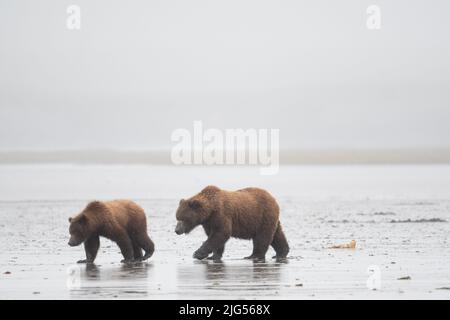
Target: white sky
{"points": [[137, 70]]}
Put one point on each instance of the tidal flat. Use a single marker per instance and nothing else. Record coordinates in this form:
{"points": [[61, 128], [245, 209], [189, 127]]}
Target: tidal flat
{"points": [[399, 217]]}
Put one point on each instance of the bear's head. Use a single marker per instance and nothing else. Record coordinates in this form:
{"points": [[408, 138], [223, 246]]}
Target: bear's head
{"points": [[190, 214], [79, 229]]}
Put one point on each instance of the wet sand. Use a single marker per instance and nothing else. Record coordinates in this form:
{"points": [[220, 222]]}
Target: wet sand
{"points": [[405, 233]]}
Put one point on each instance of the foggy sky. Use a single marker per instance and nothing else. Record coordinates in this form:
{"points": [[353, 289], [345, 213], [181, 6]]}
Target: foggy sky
{"points": [[137, 70]]}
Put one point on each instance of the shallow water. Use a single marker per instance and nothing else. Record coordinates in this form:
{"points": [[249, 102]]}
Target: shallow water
{"points": [[398, 215]]}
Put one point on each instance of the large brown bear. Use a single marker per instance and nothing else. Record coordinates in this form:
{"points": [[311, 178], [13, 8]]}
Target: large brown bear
{"points": [[122, 221], [249, 213]]}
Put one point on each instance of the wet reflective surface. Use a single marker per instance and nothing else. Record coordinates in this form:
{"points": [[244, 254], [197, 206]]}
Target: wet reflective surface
{"points": [[401, 236], [216, 280]]}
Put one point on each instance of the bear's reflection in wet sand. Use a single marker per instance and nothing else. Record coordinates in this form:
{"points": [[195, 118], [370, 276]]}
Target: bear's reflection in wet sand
{"points": [[199, 278], [109, 282], [233, 275]]}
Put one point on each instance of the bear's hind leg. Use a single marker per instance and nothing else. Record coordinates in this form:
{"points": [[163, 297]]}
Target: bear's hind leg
{"points": [[126, 246], [280, 244], [137, 251], [147, 244]]}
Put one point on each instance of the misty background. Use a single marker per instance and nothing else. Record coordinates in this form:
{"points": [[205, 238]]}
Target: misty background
{"points": [[137, 70]]}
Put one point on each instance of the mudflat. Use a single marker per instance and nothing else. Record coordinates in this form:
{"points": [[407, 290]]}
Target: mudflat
{"points": [[399, 217]]}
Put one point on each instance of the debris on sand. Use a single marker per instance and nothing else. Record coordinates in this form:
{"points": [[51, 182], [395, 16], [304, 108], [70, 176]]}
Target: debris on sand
{"points": [[340, 221], [350, 245], [404, 278], [349, 221], [299, 285], [443, 288], [419, 220], [382, 213], [423, 203], [7, 272]]}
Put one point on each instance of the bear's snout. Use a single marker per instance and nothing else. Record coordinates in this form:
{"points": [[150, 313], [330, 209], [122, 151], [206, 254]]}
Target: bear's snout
{"points": [[179, 229], [73, 243]]}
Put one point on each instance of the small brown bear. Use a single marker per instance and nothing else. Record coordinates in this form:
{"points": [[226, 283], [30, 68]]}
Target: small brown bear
{"points": [[122, 221], [249, 213]]}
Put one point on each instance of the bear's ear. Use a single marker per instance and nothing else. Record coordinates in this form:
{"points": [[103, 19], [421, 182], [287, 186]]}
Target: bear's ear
{"points": [[70, 219], [181, 201], [195, 204]]}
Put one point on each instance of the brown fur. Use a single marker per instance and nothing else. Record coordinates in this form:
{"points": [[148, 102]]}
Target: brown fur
{"points": [[249, 213], [122, 221]]}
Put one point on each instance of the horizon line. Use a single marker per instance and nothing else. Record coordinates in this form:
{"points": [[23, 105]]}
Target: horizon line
{"points": [[287, 156]]}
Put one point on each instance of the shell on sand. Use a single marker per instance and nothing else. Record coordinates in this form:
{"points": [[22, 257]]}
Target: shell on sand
{"points": [[350, 245]]}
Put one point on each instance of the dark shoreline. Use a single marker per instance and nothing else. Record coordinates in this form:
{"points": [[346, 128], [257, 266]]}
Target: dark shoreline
{"points": [[287, 157]]}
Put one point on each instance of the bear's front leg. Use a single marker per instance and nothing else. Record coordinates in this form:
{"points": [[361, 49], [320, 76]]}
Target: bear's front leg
{"points": [[217, 254], [201, 253], [91, 246], [214, 243]]}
